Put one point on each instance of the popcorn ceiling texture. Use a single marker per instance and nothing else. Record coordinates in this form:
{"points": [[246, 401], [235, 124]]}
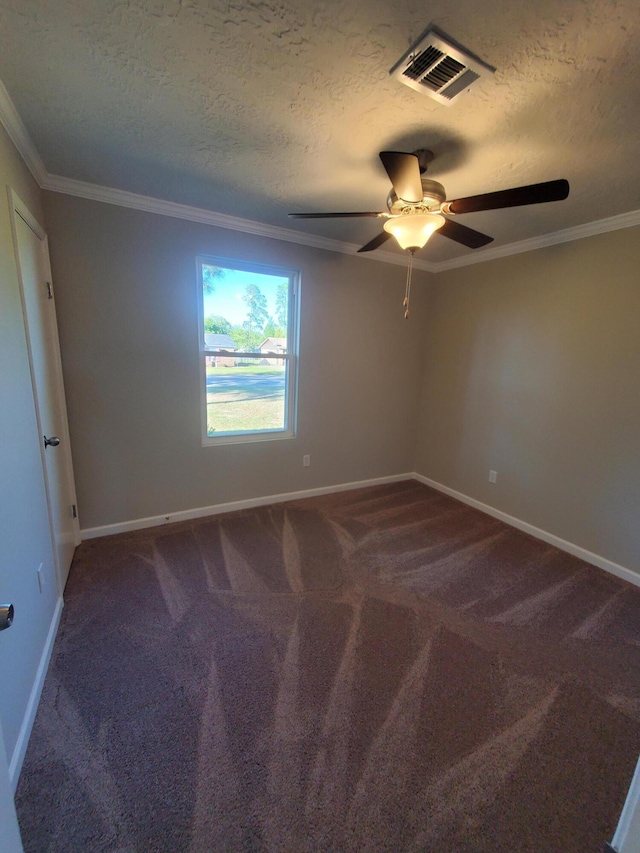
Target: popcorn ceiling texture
{"points": [[257, 108]]}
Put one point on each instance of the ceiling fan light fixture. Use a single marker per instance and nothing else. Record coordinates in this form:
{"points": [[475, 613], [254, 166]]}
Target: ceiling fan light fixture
{"points": [[413, 230]]}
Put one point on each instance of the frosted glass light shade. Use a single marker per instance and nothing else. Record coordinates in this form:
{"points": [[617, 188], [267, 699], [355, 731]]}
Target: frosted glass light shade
{"points": [[412, 230]]}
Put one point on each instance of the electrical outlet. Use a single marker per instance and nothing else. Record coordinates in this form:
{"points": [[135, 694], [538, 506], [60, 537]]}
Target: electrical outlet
{"points": [[493, 476], [40, 573], [306, 460]]}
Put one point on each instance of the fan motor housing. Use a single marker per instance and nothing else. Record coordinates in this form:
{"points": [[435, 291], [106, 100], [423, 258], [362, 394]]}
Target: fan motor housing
{"points": [[433, 195]]}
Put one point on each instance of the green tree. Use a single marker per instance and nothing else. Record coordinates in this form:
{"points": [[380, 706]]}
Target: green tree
{"points": [[240, 337], [271, 330], [257, 314], [217, 324], [282, 305], [209, 276]]}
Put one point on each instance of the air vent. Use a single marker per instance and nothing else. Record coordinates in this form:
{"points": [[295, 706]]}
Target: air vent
{"points": [[438, 68]]}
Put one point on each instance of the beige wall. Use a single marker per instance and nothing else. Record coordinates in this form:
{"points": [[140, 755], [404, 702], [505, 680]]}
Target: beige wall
{"points": [[126, 304], [533, 370]]}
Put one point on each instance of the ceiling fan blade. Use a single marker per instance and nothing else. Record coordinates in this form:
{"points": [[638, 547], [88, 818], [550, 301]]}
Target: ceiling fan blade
{"points": [[404, 173], [376, 242], [531, 194], [464, 235], [333, 215]]}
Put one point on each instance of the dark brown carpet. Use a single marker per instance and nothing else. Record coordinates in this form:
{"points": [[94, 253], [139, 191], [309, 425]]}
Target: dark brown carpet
{"points": [[377, 670]]}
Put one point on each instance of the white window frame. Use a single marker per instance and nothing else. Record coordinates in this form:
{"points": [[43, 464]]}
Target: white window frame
{"points": [[290, 357]]}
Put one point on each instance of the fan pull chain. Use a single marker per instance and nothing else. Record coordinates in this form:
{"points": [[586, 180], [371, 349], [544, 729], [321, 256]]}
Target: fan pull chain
{"points": [[407, 291]]}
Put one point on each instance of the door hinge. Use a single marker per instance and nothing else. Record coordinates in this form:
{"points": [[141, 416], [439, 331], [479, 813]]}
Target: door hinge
{"points": [[74, 511], [47, 284]]}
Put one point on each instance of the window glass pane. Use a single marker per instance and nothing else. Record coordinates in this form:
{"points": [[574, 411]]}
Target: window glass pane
{"points": [[246, 396], [246, 332], [246, 311]]}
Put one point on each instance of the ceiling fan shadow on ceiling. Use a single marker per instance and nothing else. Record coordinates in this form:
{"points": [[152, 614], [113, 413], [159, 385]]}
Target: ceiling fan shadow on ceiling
{"points": [[418, 207]]}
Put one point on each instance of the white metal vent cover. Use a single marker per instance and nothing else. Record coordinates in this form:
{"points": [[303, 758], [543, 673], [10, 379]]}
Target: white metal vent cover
{"points": [[438, 68]]}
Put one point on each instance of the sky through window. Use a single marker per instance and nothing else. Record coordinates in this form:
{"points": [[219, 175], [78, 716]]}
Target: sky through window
{"points": [[226, 300]]}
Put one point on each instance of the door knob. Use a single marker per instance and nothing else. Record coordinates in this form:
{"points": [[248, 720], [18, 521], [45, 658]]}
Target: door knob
{"points": [[54, 441], [6, 616]]}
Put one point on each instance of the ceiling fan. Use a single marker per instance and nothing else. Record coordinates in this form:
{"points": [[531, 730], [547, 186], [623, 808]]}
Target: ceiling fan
{"points": [[417, 206]]}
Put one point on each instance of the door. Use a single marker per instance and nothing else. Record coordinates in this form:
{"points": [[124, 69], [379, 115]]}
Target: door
{"points": [[34, 272], [27, 565], [10, 834]]}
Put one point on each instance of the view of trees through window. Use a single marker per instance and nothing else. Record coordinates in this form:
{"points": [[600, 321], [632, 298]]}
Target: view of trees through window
{"points": [[245, 349]]}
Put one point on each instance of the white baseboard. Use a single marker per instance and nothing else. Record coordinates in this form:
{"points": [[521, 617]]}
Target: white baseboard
{"points": [[15, 765], [569, 547], [217, 509]]}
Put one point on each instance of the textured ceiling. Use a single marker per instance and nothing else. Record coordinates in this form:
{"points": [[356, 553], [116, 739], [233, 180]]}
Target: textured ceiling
{"points": [[259, 107]]}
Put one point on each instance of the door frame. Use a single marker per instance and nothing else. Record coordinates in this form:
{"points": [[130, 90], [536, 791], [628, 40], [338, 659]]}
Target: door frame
{"points": [[627, 835], [19, 208], [9, 822]]}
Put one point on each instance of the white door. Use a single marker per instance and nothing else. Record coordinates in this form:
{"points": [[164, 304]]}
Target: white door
{"points": [[8, 822], [46, 370], [26, 549]]}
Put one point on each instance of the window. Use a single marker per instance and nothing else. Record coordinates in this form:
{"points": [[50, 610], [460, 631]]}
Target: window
{"points": [[248, 345]]}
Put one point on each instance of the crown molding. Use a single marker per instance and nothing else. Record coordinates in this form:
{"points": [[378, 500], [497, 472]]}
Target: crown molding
{"points": [[568, 235], [123, 198], [17, 132], [149, 204]]}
